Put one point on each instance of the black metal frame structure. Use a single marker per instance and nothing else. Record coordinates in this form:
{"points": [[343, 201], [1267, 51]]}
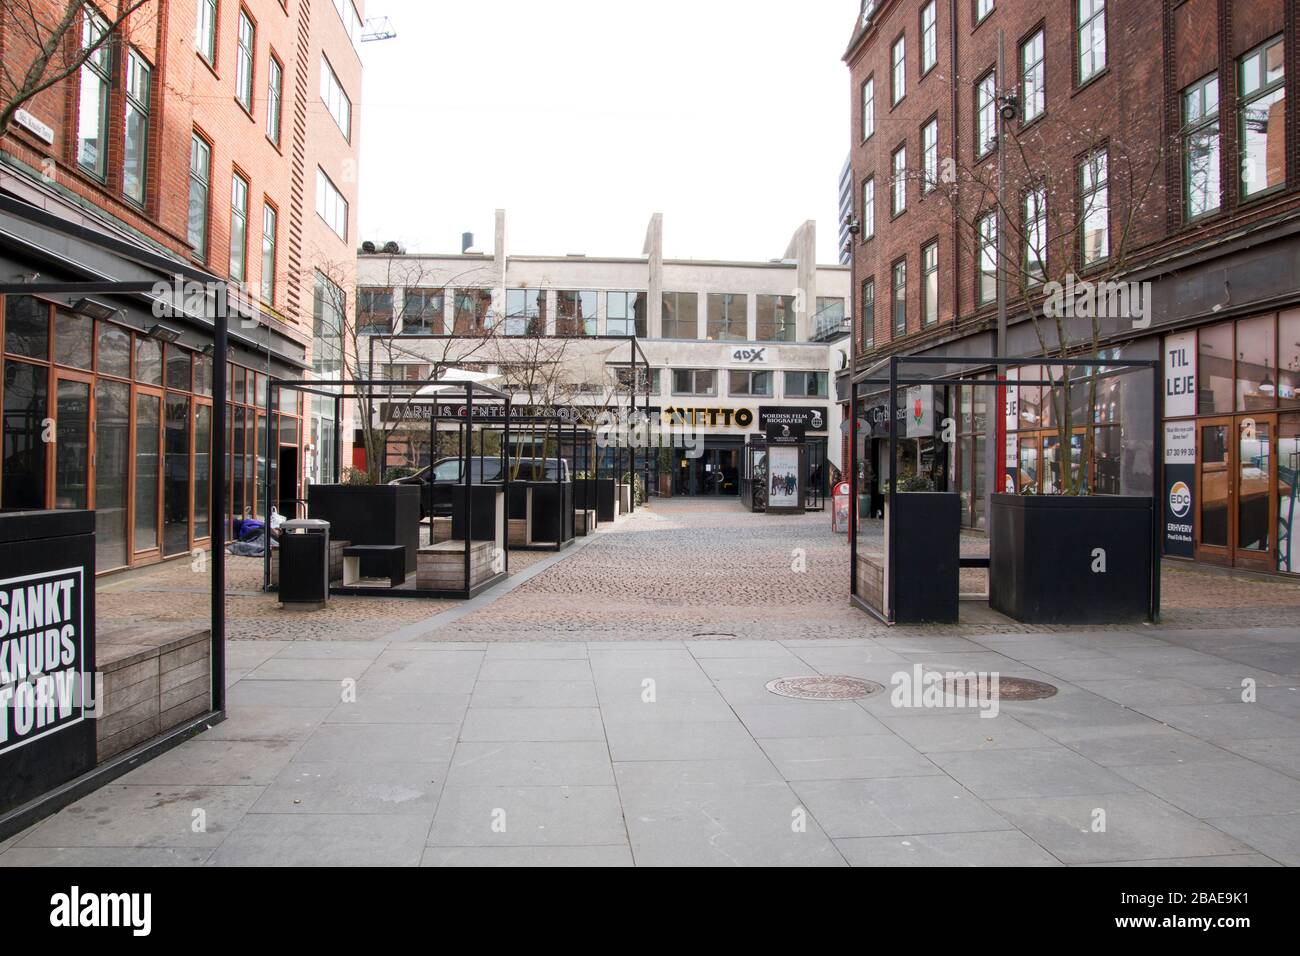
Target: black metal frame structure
{"points": [[637, 359], [365, 389], [969, 369]]}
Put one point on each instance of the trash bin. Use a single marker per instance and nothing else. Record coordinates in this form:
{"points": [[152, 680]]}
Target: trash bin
{"points": [[305, 561]]}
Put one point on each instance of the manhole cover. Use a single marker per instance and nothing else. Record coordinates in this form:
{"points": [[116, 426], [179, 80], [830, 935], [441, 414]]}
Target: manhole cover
{"points": [[824, 688], [1009, 688]]}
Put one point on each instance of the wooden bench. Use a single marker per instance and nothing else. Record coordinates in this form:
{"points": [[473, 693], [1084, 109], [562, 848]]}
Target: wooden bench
{"points": [[393, 558]]}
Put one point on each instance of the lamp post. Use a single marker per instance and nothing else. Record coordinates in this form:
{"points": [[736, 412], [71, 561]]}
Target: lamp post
{"points": [[854, 228], [1008, 109]]}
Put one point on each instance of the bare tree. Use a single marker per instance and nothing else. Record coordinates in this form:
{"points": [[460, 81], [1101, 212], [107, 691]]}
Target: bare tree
{"points": [[1067, 228], [47, 41]]}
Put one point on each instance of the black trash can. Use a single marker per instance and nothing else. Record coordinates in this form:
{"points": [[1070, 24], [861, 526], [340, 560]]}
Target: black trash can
{"points": [[305, 561]]}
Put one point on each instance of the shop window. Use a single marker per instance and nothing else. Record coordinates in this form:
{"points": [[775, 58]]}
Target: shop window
{"points": [[27, 327], [114, 347], [1030, 399], [1288, 488], [178, 368], [112, 462], [202, 375], [1256, 374], [148, 419], [1214, 372], [148, 360], [73, 339], [25, 410], [202, 468], [72, 450], [1288, 359], [176, 486]]}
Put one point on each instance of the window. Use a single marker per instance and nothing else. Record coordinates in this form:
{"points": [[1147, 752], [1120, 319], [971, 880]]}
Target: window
{"points": [[900, 70], [422, 311], [728, 317], [930, 284], [352, 24], [244, 62], [644, 385], [1201, 147], [1033, 78], [806, 384], [898, 186], [575, 313], [986, 229], [625, 314], [982, 9], [756, 384], [695, 381], [274, 99], [1092, 38], [335, 100], [929, 38], [1035, 219], [868, 313], [270, 225], [374, 311], [135, 144], [1095, 208], [200, 172], [869, 208], [525, 312], [986, 114], [92, 113], [330, 205], [238, 228], [930, 156], [1263, 119], [900, 297], [470, 308], [680, 315], [205, 37], [868, 108], [775, 318]]}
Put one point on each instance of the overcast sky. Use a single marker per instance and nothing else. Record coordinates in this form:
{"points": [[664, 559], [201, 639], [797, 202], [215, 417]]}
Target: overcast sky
{"points": [[581, 118]]}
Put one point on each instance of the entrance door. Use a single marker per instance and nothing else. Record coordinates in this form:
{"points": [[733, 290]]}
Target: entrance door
{"points": [[72, 446], [1214, 488]]}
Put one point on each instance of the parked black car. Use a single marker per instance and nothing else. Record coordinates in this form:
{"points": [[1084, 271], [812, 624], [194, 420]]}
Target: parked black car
{"points": [[436, 499]]}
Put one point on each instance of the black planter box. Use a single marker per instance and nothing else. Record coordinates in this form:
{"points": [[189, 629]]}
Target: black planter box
{"points": [[552, 510], [926, 528], [596, 494], [1043, 550], [483, 511], [370, 514], [48, 556]]}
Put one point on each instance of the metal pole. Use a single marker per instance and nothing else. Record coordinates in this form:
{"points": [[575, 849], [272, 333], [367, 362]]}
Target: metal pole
{"points": [[1157, 486], [467, 449], [272, 388], [998, 453], [338, 440], [218, 508]]}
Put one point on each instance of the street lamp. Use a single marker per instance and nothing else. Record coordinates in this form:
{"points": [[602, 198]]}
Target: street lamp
{"points": [[854, 227]]}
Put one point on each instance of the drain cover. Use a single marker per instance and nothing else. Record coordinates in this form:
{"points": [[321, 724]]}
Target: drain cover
{"points": [[1009, 688], [824, 688]]}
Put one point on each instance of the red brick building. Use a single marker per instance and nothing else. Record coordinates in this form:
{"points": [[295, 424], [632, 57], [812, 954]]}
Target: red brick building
{"points": [[218, 133], [1145, 142]]}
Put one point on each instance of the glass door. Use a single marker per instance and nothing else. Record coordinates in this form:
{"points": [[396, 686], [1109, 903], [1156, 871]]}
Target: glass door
{"points": [[112, 471], [148, 470], [1288, 510], [1215, 518], [1256, 502]]}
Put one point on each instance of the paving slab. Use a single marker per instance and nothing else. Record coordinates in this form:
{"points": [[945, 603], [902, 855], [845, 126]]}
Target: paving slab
{"points": [[846, 758], [1276, 836], [1137, 826], [948, 733], [528, 816], [534, 723], [104, 856], [1009, 773], [357, 743], [386, 707], [526, 856], [666, 740], [531, 693], [990, 848], [531, 764], [370, 788], [896, 806], [314, 839], [1227, 786], [146, 816], [211, 762]]}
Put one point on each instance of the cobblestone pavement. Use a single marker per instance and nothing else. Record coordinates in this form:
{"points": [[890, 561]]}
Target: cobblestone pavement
{"points": [[179, 592], [1176, 745]]}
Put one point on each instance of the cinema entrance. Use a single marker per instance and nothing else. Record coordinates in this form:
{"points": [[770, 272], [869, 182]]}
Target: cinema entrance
{"points": [[716, 472]]}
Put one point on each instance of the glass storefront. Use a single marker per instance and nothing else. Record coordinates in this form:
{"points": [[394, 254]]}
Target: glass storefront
{"points": [[100, 416], [1243, 428]]}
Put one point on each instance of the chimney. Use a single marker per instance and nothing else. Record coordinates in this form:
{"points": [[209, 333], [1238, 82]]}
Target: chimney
{"points": [[466, 242]]}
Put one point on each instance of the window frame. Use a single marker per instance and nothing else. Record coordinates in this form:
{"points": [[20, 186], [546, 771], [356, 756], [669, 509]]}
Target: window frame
{"points": [[868, 95], [1039, 195], [245, 60], [869, 208], [1199, 126], [986, 114], [695, 392], [929, 156], [1085, 192], [208, 15], [239, 213], [1034, 73], [1098, 12], [750, 375], [98, 65], [274, 100], [898, 181], [986, 237], [332, 95], [141, 104], [898, 70], [930, 271], [331, 192], [929, 42], [199, 145], [869, 312], [268, 275], [898, 297], [1244, 100]]}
